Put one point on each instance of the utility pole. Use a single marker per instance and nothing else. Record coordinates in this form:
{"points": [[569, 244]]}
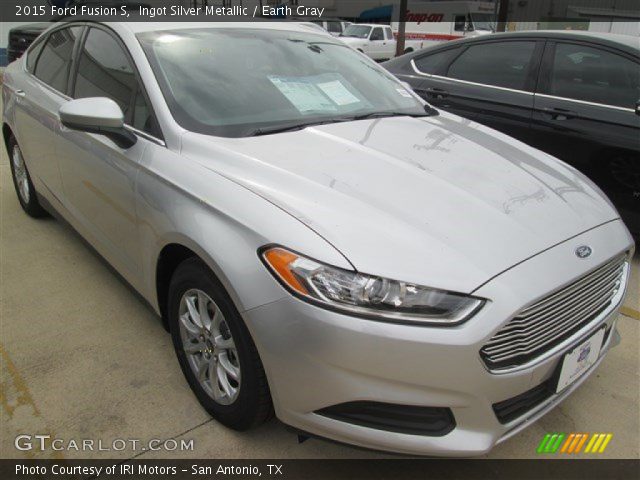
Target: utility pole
{"points": [[402, 27], [503, 12]]}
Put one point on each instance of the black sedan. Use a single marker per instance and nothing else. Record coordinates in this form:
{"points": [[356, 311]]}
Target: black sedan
{"points": [[574, 95]]}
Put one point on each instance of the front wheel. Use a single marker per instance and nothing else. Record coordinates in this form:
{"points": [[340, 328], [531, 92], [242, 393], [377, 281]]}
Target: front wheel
{"points": [[22, 182], [215, 350]]}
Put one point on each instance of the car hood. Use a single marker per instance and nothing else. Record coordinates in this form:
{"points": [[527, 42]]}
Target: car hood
{"points": [[439, 201]]}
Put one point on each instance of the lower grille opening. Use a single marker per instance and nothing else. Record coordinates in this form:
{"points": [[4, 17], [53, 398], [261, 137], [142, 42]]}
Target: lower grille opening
{"points": [[515, 407], [512, 408], [408, 419]]}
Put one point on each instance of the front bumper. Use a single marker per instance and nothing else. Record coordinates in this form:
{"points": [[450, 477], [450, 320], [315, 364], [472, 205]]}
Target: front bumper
{"points": [[315, 358]]}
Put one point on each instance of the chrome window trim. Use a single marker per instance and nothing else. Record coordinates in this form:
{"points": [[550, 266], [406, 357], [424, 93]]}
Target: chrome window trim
{"points": [[140, 133], [585, 102], [466, 82], [544, 95], [145, 135], [128, 127]]}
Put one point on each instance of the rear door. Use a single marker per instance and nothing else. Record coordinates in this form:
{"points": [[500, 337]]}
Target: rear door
{"points": [[585, 104], [492, 83], [36, 114], [377, 44], [425, 74], [390, 47]]}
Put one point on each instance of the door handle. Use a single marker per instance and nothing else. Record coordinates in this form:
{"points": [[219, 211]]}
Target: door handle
{"points": [[21, 93], [560, 113], [437, 92]]}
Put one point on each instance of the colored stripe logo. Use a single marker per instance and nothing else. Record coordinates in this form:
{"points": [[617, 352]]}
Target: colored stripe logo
{"points": [[574, 443]]}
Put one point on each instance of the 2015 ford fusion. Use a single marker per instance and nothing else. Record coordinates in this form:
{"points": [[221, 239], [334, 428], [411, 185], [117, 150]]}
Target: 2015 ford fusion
{"points": [[319, 241]]}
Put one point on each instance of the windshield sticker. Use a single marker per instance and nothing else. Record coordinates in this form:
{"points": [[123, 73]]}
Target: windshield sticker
{"points": [[404, 92], [303, 94], [337, 92]]}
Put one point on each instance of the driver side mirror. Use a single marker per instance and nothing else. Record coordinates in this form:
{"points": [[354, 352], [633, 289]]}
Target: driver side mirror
{"points": [[98, 115]]}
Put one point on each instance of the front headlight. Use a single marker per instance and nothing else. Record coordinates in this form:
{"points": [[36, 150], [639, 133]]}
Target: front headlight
{"points": [[367, 295]]}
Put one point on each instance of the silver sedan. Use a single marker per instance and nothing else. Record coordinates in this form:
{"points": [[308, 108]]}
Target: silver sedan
{"points": [[320, 243]]}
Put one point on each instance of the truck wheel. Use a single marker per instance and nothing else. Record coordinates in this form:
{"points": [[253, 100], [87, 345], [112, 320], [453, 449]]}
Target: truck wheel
{"points": [[408, 50]]}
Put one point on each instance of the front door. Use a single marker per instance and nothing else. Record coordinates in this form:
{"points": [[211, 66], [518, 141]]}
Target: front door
{"points": [[99, 177]]}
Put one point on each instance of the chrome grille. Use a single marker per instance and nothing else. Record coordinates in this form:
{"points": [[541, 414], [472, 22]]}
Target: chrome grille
{"points": [[556, 317]]}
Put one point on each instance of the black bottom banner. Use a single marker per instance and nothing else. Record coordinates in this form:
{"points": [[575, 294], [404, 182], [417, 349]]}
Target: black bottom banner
{"points": [[195, 469]]}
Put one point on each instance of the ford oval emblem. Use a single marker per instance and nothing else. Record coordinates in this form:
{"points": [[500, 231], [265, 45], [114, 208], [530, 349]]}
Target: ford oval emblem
{"points": [[583, 251]]}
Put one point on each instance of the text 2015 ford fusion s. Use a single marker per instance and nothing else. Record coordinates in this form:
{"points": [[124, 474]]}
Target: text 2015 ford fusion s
{"points": [[320, 242]]}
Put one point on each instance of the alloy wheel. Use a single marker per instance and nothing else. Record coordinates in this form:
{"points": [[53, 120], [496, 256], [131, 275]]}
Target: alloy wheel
{"points": [[209, 346], [20, 173]]}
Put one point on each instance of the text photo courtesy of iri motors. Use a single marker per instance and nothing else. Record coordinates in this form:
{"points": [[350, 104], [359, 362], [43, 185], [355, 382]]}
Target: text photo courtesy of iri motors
{"points": [[320, 239]]}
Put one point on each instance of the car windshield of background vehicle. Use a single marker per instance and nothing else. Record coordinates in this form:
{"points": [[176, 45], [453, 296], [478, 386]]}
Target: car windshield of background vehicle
{"points": [[594, 75], [357, 31], [235, 82], [509, 62]]}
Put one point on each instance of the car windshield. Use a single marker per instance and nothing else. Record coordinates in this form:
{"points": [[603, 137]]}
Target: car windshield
{"points": [[357, 31], [483, 21], [235, 82]]}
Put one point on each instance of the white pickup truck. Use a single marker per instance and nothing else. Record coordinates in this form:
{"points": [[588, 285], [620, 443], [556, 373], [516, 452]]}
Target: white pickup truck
{"points": [[374, 40]]}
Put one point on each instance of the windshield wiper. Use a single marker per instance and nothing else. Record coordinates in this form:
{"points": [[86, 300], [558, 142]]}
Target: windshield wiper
{"points": [[293, 127], [429, 112]]}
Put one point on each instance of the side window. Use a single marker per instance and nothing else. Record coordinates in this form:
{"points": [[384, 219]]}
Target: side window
{"points": [[104, 70], [32, 56], [503, 64], [54, 63], [389, 33], [377, 34], [594, 75], [459, 23], [334, 27], [433, 63]]}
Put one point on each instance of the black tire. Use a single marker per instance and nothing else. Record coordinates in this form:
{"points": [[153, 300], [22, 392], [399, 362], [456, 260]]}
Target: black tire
{"points": [[408, 50], [30, 205], [624, 171], [253, 404]]}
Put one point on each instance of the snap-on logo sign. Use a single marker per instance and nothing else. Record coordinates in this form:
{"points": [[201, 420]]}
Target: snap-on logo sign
{"points": [[424, 17]]}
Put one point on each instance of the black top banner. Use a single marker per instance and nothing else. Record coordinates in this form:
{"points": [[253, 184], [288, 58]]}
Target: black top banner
{"points": [[368, 11]]}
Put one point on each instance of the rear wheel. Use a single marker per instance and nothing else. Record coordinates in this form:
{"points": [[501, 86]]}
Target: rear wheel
{"points": [[22, 182], [625, 171], [215, 350]]}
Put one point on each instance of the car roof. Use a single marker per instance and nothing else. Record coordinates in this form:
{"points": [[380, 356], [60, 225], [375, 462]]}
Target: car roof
{"points": [[140, 27], [627, 43]]}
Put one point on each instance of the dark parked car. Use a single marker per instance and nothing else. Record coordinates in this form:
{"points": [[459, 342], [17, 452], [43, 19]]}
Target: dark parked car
{"points": [[22, 36], [572, 94]]}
